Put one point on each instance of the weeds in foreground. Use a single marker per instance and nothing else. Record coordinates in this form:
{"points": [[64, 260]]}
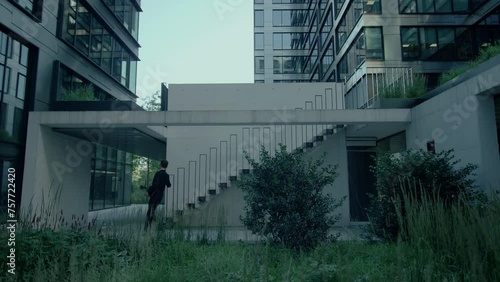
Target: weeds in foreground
{"points": [[457, 244]]}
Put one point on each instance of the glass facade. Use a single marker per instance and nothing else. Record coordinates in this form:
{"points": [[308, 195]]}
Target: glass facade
{"points": [[368, 45], [73, 87], [290, 41], [127, 13], [446, 43], [439, 6], [32, 7], [349, 20], [291, 17], [291, 64], [14, 70], [329, 39], [111, 178], [84, 30]]}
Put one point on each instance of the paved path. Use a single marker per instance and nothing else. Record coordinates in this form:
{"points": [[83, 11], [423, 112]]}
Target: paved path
{"points": [[130, 220]]}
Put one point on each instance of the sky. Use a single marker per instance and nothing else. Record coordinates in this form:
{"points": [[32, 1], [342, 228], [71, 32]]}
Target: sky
{"points": [[194, 41]]}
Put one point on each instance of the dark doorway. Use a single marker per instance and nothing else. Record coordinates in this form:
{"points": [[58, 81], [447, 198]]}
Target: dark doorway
{"points": [[361, 182]]}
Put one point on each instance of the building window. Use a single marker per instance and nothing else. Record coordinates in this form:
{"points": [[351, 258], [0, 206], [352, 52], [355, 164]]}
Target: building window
{"points": [[410, 43], [259, 64], [127, 13], [438, 6], [259, 41], [291, 64], [374, 43], [291, 17], [446, 43], [354, 12], [259, 18], [32, 7], [85, 31], [13, 71], [111, 178], [73, 87]]}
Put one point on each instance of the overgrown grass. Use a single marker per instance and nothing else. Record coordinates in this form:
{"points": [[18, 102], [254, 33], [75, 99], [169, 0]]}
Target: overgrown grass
{"points": [[398, 90], [438, 244], [484, 55], [457, 242]]}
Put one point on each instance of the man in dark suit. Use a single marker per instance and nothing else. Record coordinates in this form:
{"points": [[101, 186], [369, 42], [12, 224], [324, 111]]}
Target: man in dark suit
{"points": [[156, 190]]}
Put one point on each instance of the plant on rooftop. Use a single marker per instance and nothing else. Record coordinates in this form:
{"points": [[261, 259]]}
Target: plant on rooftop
{"points": [[434, 174], [484, 55], [83, 93], [398, 90], [284, 199]]}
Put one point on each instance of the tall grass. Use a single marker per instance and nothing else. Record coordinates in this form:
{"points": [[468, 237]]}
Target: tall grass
{"points": [[417, 89], [439, 242], [455, 241]]}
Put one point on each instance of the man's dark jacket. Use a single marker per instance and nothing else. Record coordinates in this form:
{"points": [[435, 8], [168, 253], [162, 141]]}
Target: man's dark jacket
{"points": [[156, 190]]}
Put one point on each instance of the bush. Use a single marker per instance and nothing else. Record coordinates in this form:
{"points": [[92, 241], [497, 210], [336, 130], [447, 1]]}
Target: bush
{"points": [[434, 174], [284, 199]]}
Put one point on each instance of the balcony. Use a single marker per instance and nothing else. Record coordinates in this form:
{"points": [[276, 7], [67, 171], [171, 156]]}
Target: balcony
{"points": [[380, 87]]}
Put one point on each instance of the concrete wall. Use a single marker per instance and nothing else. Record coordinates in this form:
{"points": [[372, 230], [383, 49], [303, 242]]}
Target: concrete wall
{"points": [[460, 120], [185, 144], [335, 147], [57, 174], [229, 204]]}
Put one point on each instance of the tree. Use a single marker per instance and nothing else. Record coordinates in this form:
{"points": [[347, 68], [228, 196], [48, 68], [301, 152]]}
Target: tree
{"points": [[284, 199], [153, 102], [144, 168], [426, 174]]}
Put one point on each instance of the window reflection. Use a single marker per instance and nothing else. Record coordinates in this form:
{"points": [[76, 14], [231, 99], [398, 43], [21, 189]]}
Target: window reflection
{"points": [[127, 13], [111, 178], [85, 31], [446, 43]]}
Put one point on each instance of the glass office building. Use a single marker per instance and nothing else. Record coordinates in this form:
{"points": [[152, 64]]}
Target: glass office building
{"points": [[70, 55], [330, 40]]}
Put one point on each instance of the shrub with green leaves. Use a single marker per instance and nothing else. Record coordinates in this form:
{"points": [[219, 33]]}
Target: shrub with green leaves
{"points": [[284, 199], [434, 174]]}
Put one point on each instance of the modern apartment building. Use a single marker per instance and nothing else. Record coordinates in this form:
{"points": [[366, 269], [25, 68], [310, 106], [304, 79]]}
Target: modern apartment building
{"points": [[332, 40], [71, 55], [373, 49]]}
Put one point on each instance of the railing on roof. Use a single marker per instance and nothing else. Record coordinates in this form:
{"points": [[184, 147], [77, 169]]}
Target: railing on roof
{"points": [[369, 84]]}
